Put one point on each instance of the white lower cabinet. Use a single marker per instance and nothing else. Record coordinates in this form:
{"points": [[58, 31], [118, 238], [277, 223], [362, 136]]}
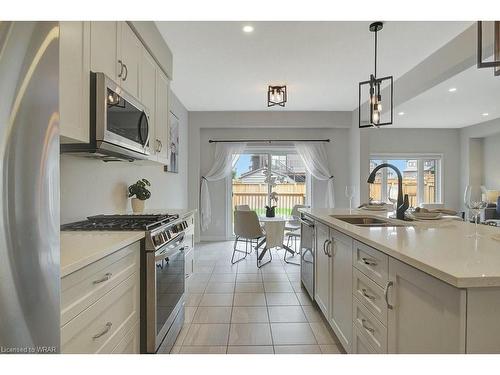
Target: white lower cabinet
{"points": [[100, 305], [377, 304], [322, 270], [130, 344], [425, 315], [340, 317], [360, 344]]}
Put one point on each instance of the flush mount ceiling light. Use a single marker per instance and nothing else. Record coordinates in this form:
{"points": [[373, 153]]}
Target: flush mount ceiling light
{"points": [[401, 113], [453, 89], [485, 114], [492, 41], [248, 28], [276, 95], [374, 88]]}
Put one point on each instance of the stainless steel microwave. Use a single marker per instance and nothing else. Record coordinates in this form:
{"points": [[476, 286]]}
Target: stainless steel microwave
{"points": [[119, 124]]}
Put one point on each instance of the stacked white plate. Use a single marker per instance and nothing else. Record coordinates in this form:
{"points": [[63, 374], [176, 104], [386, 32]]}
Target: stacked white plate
{"points": [[426, 215], [373, 207]]}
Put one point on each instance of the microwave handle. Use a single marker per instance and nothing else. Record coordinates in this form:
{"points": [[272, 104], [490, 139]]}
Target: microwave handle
{"points": [[143, 142]]}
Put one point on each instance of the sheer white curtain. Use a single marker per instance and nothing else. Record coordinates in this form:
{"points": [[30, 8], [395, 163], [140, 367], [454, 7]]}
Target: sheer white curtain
{"points": [[226, 155], [315, 159]]}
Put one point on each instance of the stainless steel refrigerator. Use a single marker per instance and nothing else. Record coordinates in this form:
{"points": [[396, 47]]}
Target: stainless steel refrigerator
{"points": [[29, 187]]}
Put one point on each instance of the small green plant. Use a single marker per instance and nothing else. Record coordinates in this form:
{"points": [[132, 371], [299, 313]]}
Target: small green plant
{"points": [[140, 190]]}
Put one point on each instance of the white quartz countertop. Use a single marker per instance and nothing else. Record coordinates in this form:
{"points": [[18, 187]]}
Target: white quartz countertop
{"points": [[81, 248], [440, 248]]}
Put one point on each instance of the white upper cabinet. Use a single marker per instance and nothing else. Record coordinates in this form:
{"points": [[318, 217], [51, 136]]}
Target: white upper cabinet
{"points": [[148, 95], [103, 48], [425, 315], [130, 57], [340, 317], [114, 49], [74, 62], [162, 118]]}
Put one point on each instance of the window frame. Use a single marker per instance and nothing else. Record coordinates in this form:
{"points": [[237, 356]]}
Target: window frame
{"points": [[269, 151], [420, 157]]}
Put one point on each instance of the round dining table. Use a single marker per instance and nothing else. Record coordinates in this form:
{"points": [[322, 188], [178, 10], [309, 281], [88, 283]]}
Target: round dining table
{"points": [[275, 235]]}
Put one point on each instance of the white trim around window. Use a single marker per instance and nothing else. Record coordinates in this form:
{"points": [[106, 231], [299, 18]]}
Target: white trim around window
{"points": [[420, 157]]}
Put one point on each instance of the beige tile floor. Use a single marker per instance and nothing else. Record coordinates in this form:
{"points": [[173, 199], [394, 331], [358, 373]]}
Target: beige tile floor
{"points": [[240, 309]]}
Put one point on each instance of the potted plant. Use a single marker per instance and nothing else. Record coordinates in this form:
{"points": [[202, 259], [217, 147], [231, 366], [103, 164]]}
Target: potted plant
{"points": [[141, 193], [271, 211]]}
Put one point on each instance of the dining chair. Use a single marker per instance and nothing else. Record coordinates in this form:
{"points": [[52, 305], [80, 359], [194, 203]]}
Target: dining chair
{"points": [[247, 228], [292, 227], [242, 207]]}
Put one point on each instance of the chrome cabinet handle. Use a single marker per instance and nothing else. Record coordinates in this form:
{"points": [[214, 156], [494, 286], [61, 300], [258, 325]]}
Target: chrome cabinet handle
{"points": [[126, 72], [324, 247], [104, 331], [106, 277], [369, 329], [121, 68], [329, 248], [365, 293], [386, 294], [369, 261], [160, 146]]}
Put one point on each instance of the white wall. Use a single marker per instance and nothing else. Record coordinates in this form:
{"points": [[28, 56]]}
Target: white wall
{"points": [[90, 187], [491, 159], [433, 141], [471, 156], [273, 124], [337, 151]]}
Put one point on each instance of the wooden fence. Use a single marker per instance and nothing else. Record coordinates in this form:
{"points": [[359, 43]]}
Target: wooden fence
{"points": [[255, 196], [410, 188]]}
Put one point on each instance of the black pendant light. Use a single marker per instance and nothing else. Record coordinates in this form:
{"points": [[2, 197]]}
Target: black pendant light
{"points": [[276, 95], [374, 113], [496, 48]]}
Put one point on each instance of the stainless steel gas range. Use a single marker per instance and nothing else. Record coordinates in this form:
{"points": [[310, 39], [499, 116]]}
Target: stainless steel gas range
{"points": [[167, 239]]}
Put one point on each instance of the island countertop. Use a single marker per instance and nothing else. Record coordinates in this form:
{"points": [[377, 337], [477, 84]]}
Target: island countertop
{"points": [[440, 248]]}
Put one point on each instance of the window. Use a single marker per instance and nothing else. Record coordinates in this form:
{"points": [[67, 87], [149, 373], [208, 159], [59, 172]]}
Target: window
{"points": [[254, 183], [421, 178]]}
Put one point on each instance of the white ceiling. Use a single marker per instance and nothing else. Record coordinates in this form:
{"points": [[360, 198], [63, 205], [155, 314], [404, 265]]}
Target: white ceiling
{"points": [[477, 92], [217, 67]]}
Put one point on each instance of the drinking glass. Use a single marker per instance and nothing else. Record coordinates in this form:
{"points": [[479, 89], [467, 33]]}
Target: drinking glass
{"points": [[350, 191], [473, 200]]}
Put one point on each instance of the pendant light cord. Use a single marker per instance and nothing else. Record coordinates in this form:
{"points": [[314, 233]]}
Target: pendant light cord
{"points": [[376, 31]]}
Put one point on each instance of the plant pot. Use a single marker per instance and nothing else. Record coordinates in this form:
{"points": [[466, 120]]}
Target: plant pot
{"points": [[137, 205], [270, 211]]}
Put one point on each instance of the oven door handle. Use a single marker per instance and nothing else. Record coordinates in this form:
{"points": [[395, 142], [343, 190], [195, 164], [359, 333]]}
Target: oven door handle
{"points": [[166, 252]]}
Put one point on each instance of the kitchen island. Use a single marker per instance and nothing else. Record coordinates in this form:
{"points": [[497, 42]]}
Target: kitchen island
{"points": [[407, 287]]}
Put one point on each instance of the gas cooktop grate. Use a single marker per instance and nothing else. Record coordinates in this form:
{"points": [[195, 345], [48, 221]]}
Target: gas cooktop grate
{"points": [[121, 222]]}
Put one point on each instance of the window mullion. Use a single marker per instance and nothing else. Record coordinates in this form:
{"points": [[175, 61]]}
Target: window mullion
{"points": [[420, 181]]}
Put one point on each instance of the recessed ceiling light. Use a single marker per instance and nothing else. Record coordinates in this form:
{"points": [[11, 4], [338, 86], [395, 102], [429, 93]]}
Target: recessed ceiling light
{"points": [[485, 114], [248, 28], [453, 89], [401, 113]]}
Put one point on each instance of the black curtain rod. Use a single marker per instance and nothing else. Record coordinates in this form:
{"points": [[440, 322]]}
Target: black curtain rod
{"points": [[265, 140]]}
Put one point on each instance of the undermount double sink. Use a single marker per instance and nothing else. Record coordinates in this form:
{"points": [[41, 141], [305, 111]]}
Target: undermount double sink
{"points": [[367, 221]]}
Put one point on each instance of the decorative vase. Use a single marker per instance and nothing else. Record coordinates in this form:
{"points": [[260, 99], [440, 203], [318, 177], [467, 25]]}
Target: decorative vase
{"points": [[137, 205], [270, 211]]}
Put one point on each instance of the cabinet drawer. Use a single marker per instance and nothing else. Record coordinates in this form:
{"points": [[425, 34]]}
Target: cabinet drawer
{"points": [[360, 344], [371, 262], [103, 325], [369, 326], [82, 288], [130, 344], [370, 295]]}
